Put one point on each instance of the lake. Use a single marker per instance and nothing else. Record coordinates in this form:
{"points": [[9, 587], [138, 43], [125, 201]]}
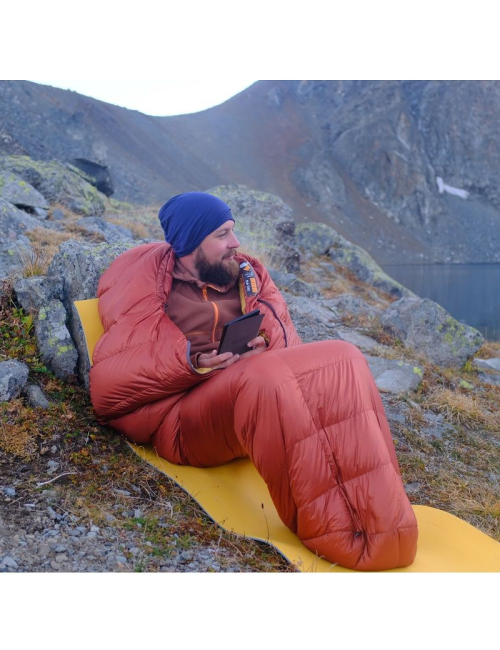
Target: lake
{"points": [[469, 292]]}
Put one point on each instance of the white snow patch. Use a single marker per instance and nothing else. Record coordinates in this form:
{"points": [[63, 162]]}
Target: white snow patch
{"points": [[442, 187]]}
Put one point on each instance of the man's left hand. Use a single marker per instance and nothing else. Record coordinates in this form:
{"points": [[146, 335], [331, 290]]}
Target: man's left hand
{"points": [[258, 345]]}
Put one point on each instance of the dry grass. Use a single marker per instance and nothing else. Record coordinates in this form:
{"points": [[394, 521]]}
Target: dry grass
{"points": [[35, 262], [490, 349], [138, 229], [18, 430], [47, 241], [462, 409]]}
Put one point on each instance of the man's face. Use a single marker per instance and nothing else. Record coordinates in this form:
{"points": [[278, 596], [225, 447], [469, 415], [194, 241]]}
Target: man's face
{"points": [[214, 257]]}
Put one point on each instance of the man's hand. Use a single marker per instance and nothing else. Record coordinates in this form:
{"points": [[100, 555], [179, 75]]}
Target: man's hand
{"points": [[258, 344], [217, 361]]}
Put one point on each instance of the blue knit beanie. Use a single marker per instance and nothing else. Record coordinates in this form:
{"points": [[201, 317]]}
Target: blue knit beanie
{"points": [[188, 218]]}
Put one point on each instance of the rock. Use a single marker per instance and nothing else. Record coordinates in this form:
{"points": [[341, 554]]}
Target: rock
{"points": [[35, 397], [57, 350], [493, 380], [39, 213], [9, 562], [8, 491], [13, 377], [437, 427], [57, 184], [111, 232], [316, 239], [357, 339], [313, 321], [290, 282], [35, 292], [14, 222], [490, 364], [320, 181], [428, 328], [357, 260], [314, 310], [349, 306], [57, 215], [14, 255], [94, 173], [323, 240], [394, 376], [413, 488], [17, 191], [264, 225], [122, 493], [81, 265]]}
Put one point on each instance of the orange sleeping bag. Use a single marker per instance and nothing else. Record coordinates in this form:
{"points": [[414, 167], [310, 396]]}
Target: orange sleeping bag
{"points": [[309, 416]]}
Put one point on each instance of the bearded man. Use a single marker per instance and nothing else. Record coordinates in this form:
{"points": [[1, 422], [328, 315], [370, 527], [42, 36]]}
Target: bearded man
{"points": [[309, 416]]}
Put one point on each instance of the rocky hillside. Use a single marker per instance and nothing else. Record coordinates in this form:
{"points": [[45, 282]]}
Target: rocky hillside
{"points": [[407, 170], [71, 496]]}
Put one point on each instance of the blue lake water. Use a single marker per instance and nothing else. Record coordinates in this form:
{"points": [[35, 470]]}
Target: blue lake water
{"points": [[469, 292]]}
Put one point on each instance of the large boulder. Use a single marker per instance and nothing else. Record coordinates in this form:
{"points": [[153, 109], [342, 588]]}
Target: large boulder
{"points": [[13, 378], [264, 225], [57, 184], [55, 344], [24, 196], [319, 240], [14, 222], [429, 329], [80, 266], [72, 275], [94, 173]]}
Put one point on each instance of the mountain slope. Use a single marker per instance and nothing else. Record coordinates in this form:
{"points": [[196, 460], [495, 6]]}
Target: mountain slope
{"points": [[368, 158]]}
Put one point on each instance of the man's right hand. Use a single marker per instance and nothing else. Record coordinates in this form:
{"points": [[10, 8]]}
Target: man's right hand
{"points": [[217, 361]]}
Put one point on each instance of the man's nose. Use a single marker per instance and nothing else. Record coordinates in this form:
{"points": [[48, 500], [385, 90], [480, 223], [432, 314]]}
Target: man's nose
{"points": [[233, 242]]}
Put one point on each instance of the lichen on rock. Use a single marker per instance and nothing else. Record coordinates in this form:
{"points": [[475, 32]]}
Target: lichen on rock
{"points": [[428, 328], [57, 184], [320, 239]]}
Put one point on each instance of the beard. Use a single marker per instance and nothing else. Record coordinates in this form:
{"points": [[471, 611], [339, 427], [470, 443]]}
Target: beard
{"points": [[219, 273]]}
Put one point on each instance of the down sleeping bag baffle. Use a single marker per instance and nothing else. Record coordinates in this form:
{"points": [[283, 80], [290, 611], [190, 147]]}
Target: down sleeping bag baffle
{"points": [[309, 416]]}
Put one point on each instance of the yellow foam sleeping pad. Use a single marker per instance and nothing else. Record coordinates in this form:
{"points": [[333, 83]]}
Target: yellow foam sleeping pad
{"points": [[237, 499]]}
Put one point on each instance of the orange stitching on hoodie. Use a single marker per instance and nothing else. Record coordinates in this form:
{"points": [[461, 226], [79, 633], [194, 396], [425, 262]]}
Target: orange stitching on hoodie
{"points": [[216, 312]]}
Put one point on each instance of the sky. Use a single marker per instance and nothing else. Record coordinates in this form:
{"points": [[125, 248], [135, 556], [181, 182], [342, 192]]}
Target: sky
{"points": [[157, 97]]}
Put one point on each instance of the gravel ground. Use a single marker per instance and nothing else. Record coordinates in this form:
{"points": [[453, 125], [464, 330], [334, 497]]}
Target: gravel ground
{"points": [[48, 529], [58, 542]]}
